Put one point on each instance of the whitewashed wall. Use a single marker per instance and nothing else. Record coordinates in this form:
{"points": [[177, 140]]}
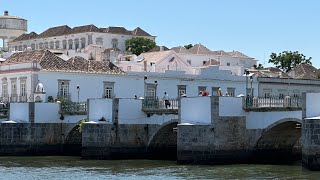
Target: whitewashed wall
{"points": [[196, 110], [230, 106], [261, 120], [312, 105], [19, 112], [47, 113], [130, 112], [99, 108]]}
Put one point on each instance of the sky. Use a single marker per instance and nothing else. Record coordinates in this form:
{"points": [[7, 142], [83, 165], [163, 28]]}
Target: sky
{"points": [[255, 28]]}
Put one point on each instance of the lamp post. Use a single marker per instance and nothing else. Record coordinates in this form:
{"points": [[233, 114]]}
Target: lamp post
{"points": [[61, 90], [251, 90], [144, 85], [78, 91]]}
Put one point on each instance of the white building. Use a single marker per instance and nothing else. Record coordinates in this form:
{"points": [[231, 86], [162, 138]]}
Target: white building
{"points": [[96, 79], [77, 39]]}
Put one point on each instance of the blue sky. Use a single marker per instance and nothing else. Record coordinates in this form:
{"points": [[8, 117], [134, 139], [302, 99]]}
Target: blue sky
{"points": [[253, 27]]}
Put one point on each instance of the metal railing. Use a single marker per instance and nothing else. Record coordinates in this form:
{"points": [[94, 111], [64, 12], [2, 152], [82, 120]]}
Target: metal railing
{"points": [[69, 107], [66, 96], [154, 103], [272, 102]]}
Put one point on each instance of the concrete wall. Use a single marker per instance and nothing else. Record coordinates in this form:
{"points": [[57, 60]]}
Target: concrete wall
{"points": [[47, 113], [312, 106], [100, 108], [196, 110], [19, 112], [230, 106], [261, 120], [35, 139]]}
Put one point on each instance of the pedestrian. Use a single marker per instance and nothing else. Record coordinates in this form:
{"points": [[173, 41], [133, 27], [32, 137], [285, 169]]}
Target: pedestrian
{"points": [[205, 93], [166, 100]]}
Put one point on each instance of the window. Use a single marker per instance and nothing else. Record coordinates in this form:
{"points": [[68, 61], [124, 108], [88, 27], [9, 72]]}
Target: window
{"points": [[40, 45], [182, 90], [51, 44], [76, 43], [231, 91], [4, 89], [203, 62], [228, 64], [33, 46], [215, 91], [63, 89], [202, 88], [13, 87], [64, 44], [151, 90], [57, 44], [99, 41], [25, 47], [46, 45], [267, 92], [108, 90], [83, 43], [189, 61], [23, 88], [20, 48], [282, 93], [70, 44], [114, 43]]}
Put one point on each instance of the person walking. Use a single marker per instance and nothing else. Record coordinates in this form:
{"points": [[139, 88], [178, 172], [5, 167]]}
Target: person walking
{"points": [[166, 100]]}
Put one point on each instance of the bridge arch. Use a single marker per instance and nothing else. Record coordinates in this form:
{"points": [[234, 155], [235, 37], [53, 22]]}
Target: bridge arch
{"points": [[279, 142], [163, 143], [73, 139]]}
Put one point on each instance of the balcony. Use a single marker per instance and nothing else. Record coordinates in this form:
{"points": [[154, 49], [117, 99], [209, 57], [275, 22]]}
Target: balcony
{"points": [[64, 96], [73, 108], [154, 105], [273, 103]]}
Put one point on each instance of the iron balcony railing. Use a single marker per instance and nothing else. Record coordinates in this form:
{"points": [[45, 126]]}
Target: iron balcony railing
{"points": [[64, 96], [69, 107], [154, 103], [13, 98], [272, 102]]}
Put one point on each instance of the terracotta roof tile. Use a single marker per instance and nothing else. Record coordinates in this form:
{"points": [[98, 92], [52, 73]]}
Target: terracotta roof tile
{"points": [[55, 31], [23, 37], [85, 28], [140, 32], [116, 30], [238, 54], [50, 62], [200, 49], [157, 49], [181, 49]]}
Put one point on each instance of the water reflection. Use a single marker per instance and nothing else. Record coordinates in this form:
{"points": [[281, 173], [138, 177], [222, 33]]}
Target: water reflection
{"points": [[54, 167]]}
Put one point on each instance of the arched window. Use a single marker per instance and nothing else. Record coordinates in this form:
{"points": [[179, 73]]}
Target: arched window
{"points": [[33, 46], [70, 43], [46, 45], [40, 45], [51, 45], [114, 43], [83, 43], [25, 47], [99, 41], [57, 44], [76, 44], [64, 44], [20, 48]]}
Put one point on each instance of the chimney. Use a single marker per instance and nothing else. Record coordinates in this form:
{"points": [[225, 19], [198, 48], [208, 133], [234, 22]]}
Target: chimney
{"points": [[6, 13]]}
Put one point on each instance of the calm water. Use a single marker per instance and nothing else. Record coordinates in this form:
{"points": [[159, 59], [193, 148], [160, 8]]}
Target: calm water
{"points": [[54, 167]]}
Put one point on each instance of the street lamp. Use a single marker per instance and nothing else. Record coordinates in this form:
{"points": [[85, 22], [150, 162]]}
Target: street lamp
{"points": [[78, 90], [251, 90], [144, 85]]}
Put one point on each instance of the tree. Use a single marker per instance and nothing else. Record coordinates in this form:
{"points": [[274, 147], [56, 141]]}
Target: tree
{"points": [[260, 66], [188, 46], [139, 45], [287, 60]]}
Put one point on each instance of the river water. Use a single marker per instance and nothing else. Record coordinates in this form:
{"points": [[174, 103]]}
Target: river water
{"points": [[60, 167]]}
